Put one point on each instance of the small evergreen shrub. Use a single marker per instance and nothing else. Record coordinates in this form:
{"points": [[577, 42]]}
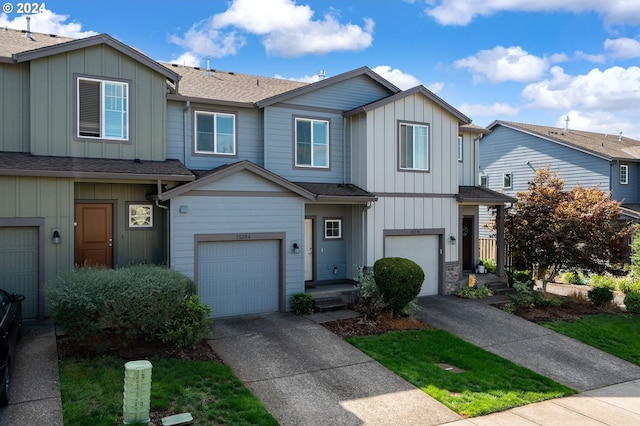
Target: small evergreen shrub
{"points": [[188, 325], [474, 292], [302, 303], [571, 278], [600, 296], [524, 277], [368, 300], [399, 281], [632, 302]]}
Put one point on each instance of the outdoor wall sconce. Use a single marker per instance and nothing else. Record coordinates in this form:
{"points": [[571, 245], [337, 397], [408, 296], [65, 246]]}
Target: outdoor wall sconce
{"points": [[296, 249], [335, 270], [55, 237], [452, 239]]}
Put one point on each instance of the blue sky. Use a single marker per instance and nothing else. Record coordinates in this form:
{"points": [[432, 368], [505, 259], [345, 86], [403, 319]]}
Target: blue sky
{"points": [[532, 61]]}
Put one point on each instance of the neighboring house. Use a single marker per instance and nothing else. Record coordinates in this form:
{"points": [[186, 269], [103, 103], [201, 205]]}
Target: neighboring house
{"points": [[255, 187], [511, 153]]}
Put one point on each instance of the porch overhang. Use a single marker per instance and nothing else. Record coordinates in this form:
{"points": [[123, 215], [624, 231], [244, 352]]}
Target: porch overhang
{"points": [[338, 193], [476, 195]]}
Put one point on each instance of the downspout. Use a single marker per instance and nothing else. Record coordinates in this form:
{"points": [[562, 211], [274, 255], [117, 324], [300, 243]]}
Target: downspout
{"points": [[344, 151], [185, 114]]}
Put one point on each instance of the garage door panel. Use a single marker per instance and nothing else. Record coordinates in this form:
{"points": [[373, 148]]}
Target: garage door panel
{"points": [[19, 265], [239, 277], [423, 250]]}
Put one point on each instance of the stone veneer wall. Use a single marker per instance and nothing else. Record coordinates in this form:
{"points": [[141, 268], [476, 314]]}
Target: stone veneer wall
{"points": [[451, 277]]}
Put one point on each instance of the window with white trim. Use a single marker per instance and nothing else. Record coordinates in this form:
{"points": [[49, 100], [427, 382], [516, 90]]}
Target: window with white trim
{"points": [[333, 229], [140, 215], [507, 180], [414, 147], [459, 148], [484, 181], [624, 174], [215, 133], [312, 143], [102, 109]]}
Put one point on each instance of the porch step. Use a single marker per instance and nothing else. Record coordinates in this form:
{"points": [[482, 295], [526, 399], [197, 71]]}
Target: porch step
{"points": [[330, 303], [500, 288]]}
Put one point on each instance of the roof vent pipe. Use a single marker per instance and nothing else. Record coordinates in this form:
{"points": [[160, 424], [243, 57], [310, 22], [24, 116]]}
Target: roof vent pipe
{"points": [[566, 124], [321, 75], [620, 137], [28, 34], [208, 71]]}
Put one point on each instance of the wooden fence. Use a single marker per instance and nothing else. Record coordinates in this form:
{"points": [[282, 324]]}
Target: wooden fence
{"points": [[488, 250]]}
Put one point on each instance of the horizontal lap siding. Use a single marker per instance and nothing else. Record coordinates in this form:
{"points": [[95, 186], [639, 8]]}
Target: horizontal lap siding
{"points": [[345, 95]]}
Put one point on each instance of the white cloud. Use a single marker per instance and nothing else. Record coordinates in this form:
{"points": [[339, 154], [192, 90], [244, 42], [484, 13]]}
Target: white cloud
{"points": [[47, 22], [597, 59], [461, 12], [303, 79], [493, 110], [187, 59], [287, 29], [601, 122], [436, 87], [503, 64], [396, 77], [622, 48]]}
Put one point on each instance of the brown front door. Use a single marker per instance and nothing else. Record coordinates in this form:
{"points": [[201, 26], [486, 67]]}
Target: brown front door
{"points": [[94, 235]]}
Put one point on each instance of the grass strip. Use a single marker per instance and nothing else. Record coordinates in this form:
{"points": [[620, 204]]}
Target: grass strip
{"points": [[92, 392], [487, 384]]}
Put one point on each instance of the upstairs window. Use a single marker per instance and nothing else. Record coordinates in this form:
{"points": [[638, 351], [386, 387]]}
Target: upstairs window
{"points": [[484, 181], [312, 143], [414, 147], [215, 133], [507, 180], [459, 148], [624, 174], [103, 109]]}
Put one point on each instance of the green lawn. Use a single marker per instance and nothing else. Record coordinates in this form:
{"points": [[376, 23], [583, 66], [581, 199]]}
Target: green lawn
{"points": [[487, 384], [92, 392], [617, 334]]}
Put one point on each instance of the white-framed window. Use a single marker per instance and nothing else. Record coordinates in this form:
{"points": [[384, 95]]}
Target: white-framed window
{"points": [[102, 109], [507, 180], [484, 181], [140, 215], [460, 148], [333, 229], [312, 142], [414, 146], [215, 133], [624, 174]]}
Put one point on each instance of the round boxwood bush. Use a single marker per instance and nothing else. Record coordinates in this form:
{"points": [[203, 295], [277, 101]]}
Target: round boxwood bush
{"points": [[632, 302], [398, 280], [600, 296]]}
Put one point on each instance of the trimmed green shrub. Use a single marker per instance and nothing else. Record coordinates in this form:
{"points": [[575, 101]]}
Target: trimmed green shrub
{"points": [[600, 296], [131, 303], [399, 281], [632, 302], [302, 303], [188, 325]]}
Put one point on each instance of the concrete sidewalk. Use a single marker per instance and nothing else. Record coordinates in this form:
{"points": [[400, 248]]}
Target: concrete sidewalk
{"points": [[35, 385], [306, 375]]}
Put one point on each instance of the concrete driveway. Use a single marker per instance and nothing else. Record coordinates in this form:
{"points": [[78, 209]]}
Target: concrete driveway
{"points": [[306, 375]]}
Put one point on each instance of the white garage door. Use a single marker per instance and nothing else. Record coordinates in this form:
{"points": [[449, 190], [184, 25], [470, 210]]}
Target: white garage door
{"points": [[19, 265], [239, 277], [422, 249]]}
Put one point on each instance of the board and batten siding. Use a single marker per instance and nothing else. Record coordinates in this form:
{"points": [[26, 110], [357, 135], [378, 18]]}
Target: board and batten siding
{"points": [[14, 107], [256, 206], [330, 253], [52, 112], [180, 131], [468, 167]]}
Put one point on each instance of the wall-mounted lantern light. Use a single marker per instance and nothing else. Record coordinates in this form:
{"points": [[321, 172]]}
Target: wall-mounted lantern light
{"points": [[55, 237], [452, 239], [296, 248]]}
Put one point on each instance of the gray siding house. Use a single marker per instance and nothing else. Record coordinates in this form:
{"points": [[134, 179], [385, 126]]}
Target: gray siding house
{"points": [[511, 153], [255, 187]]}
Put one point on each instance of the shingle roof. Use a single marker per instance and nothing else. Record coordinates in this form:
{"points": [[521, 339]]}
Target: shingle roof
{"points": [[474, 128], [479, 195], [22, 164], [228, 86], [325, 191], [605, 145], [14, 41]]}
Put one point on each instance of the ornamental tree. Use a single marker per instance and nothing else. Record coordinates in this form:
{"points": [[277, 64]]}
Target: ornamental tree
{"points": [[555, 229]]}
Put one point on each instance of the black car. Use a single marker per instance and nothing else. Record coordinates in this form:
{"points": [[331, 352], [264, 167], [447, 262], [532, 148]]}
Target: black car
{"points": [[10, 333]]}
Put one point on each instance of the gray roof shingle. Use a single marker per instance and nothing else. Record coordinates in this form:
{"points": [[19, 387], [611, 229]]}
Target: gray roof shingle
{"points": [[14, 41]]}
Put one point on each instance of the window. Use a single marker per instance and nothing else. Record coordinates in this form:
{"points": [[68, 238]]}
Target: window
{"points": [[624, 174], [484, 181], [215, 133], [459, 148], [140, 215], [312, 143], [103, 109], [414, 147], [333, 229], [507, 180]]}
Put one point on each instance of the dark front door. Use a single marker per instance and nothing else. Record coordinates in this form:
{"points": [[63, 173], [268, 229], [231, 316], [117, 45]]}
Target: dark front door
{"points": [[94, 234], [467, 243]]}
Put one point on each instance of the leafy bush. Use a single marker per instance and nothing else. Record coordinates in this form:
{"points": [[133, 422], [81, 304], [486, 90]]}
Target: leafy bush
{"points": [[524, 277], [490, 266], [607, 281], [632, 302], [474, 292], [571, 278], [368, 300], [302, 303], [399, 281], [527, 296], [600, 296], [188, 325], [629, 285], [133, 302]]}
